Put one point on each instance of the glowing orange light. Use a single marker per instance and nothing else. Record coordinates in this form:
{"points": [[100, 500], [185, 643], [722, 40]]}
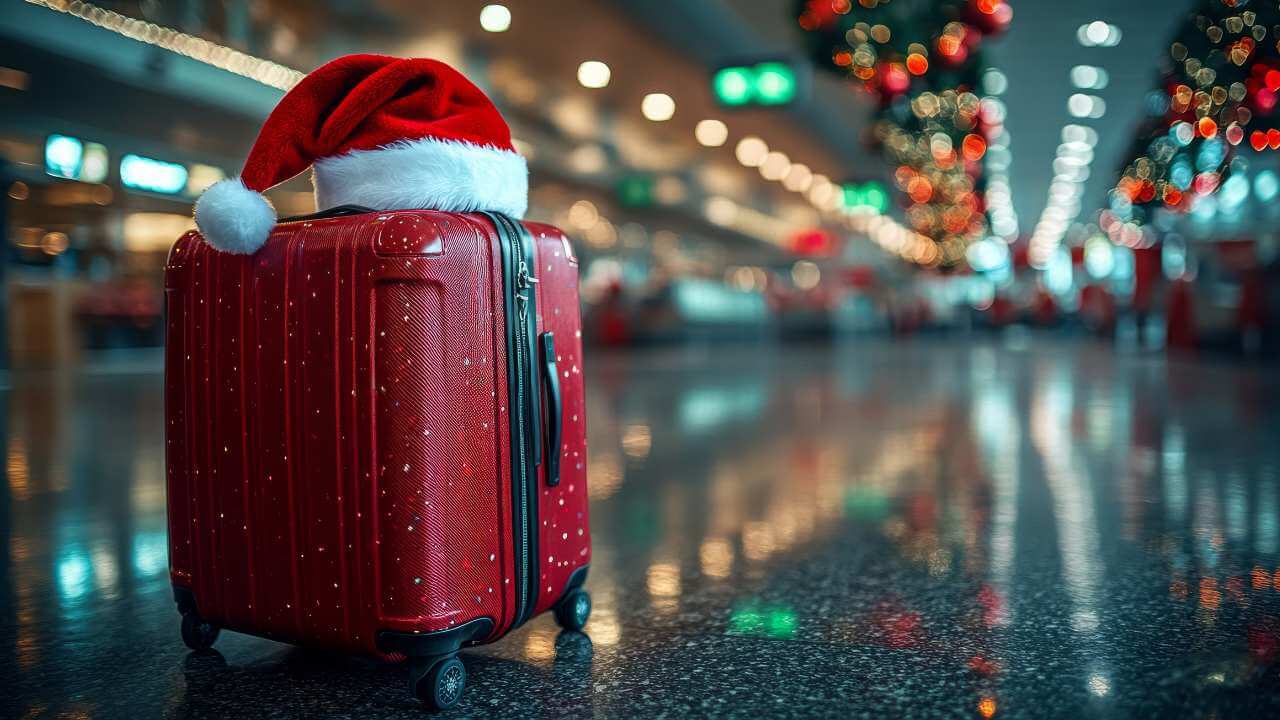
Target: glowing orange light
{"points": [[1172, 195], [903, 175], [973, 147], [917, 64], [1276, 584], [1207, 127], [987, 707], [844, 58], [920, 189], [1273, 139], [988, 7], [1258, 140]]}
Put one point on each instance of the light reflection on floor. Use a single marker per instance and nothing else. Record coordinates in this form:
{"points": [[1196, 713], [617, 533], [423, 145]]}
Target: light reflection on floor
{"points": [[957, 528]]}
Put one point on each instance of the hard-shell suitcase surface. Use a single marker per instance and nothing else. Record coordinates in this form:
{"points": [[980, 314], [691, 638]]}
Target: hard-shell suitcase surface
{"points": [[375, 432]]}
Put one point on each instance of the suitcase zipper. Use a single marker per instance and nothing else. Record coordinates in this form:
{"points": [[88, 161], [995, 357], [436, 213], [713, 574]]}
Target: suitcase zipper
{"points": [[518, 284], [522, 302]]}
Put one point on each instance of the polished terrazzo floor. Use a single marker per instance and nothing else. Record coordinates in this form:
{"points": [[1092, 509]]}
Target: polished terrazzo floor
{"points": [[934, 528]]}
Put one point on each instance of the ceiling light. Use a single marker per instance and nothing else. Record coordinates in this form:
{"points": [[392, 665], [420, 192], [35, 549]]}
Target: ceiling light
{"points": [[593, 74], [1086, 106], [495, 18], [751, 151], [658, 107], [711, 133], [798, 178], [1089, 77], [775, 166]]}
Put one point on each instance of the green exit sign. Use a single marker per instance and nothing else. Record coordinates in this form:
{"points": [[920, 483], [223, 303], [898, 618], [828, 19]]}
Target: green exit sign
{"points": [[866, 197], [772, 82]]}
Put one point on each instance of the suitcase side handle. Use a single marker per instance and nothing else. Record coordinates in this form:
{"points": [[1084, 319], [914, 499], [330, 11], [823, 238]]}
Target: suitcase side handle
{"points": [[555, 408]]}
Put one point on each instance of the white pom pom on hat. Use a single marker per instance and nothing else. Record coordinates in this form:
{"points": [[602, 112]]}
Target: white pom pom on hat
{"points": [[233, 218], [384, 132]]}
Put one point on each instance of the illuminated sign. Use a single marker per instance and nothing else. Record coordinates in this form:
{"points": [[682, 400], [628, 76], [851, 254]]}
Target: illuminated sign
{"points": [[72, 158], [869, 196], [765, 83], [63, 156], [144, 173]]}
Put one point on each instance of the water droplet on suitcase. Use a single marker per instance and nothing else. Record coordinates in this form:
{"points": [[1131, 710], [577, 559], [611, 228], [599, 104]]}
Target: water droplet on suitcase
{"points": [[491, 557], [417, 581], [406, 467]]}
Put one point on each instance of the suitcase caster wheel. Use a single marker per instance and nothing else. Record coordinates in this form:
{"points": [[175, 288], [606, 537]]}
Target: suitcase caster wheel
{"points": [[573, 610], [198, 633], [441, 687]]}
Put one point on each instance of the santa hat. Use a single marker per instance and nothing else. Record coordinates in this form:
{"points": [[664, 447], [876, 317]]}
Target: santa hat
{"points": [[382, 132]]}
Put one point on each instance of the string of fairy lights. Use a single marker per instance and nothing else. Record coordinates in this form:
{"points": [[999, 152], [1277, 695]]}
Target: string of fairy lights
{"points": [[268, 73], [1211, 115], [922, 62]]}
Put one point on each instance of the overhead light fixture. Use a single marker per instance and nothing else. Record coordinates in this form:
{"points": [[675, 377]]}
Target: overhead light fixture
{"points": [[798, 178], [1086, 106], [495, 18], [1089, 77], [711, 133], [1098, 34], [751, 151], [658, 107], [775, 166], [593, 74]]}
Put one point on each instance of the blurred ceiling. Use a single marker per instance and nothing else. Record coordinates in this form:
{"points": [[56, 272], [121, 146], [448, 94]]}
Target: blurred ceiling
{"points": [[1037, 55]]}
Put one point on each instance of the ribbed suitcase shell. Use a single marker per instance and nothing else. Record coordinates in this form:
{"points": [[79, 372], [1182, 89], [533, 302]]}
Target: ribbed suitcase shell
{"points": [[337, 442]]}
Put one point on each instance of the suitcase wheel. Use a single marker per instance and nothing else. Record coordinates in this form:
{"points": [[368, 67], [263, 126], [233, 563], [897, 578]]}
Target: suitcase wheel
{"points": [[198, 633], [573, 610], [440, 687]]}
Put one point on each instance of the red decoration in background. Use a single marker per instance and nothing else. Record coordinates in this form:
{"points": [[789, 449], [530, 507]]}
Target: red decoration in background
{"points": [[894, 80], [991, 17], [815, 242], [973, 147]]}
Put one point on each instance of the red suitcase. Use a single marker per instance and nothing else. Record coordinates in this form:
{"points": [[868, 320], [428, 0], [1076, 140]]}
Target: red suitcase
{"points": [[375, 436]]}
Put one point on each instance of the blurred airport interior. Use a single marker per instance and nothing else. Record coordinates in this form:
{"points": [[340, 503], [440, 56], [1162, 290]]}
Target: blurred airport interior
{"points": [[930, 368], [769, 170]]}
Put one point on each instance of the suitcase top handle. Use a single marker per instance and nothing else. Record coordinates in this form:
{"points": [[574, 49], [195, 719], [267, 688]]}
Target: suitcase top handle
{"points": [[339, 211]]}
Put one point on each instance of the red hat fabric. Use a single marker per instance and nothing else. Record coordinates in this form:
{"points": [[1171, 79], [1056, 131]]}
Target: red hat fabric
{"points": [[382, 132]]}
